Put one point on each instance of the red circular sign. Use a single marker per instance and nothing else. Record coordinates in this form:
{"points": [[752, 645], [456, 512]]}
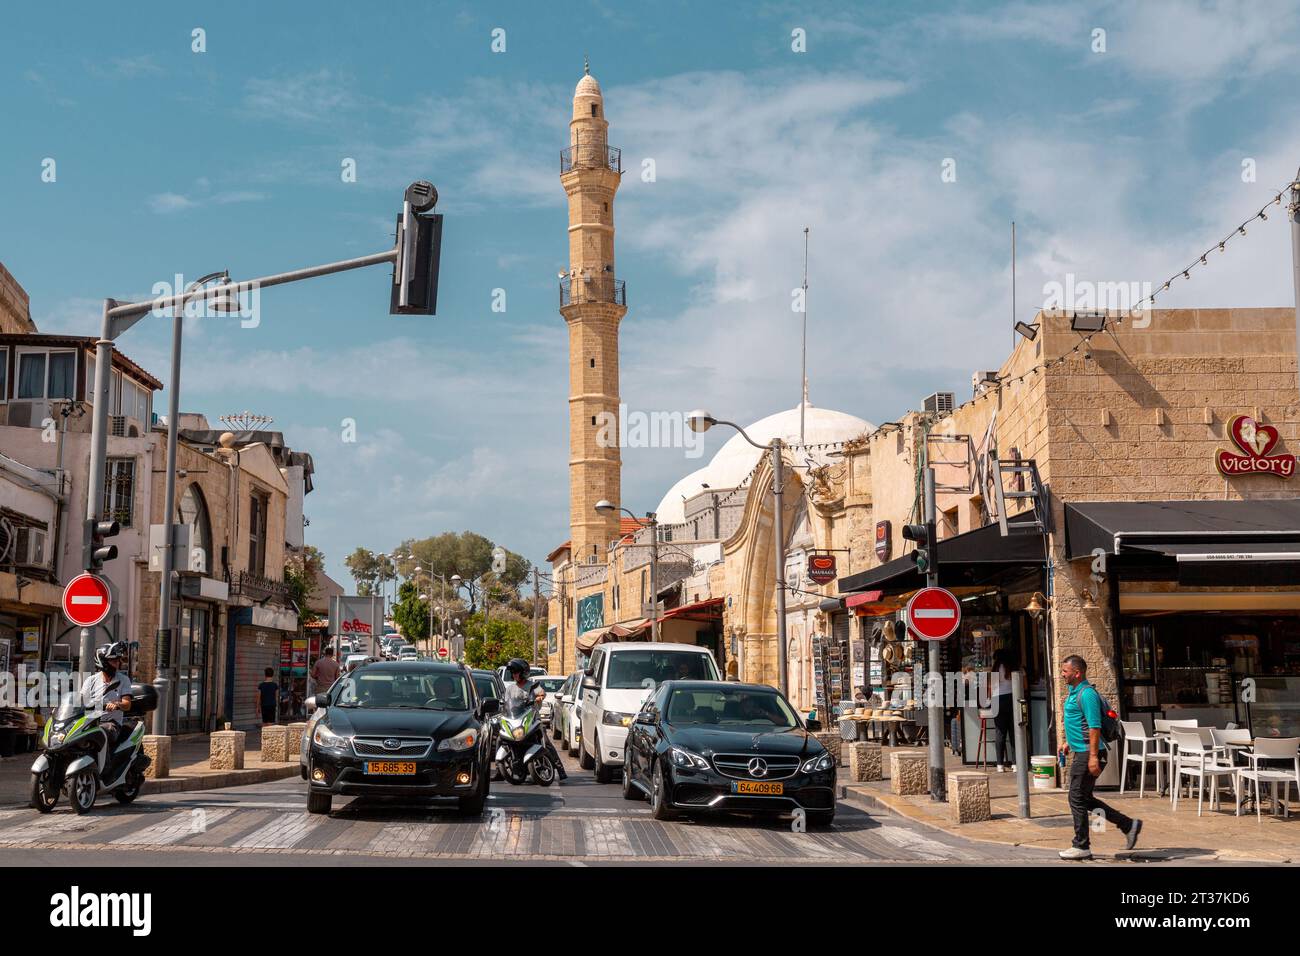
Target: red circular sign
{"points": [[933, 614], [86, 600], [442, 652]]}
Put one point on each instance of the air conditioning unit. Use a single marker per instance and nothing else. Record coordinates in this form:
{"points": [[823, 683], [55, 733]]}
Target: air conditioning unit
{"points": [[117, 426], [980, 382], [940, 404], [30, 548]]}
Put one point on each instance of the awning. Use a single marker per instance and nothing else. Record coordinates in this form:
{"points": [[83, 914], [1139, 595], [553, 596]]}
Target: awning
{"points": [[710, 609], [1257, 526], [625, 631], [853, 600], [963, 557]]}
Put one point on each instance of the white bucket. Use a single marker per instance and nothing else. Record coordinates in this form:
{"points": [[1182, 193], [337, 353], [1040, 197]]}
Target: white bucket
{"points": [[1042, 769]]}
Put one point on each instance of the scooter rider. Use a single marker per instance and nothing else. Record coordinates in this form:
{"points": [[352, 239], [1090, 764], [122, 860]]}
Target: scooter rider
{"points": [[521, 692], [109, 690]]}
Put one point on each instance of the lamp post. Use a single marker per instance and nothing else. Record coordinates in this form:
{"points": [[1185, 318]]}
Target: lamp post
{"points": [[701, 421], [608, 507], [163, 639]]}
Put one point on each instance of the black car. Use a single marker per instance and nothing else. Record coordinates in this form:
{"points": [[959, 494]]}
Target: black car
{"points": [[402, 729], [713, 745]]}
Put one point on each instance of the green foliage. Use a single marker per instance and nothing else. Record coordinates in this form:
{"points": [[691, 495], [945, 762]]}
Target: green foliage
{"points": [[366, 567], [410, 613], [300, 575], [467, 554], [504, 638]]}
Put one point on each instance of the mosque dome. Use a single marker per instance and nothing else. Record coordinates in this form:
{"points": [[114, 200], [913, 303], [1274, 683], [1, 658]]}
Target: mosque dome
{"points": [[737, 457], [587, 86]]}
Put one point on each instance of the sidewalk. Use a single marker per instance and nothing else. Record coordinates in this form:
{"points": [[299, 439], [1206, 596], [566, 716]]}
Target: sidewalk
{"points": [[189, 770], [1217, 835]]}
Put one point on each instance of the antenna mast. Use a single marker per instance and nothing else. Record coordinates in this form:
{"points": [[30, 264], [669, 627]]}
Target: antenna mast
{"points": [[803, 401]]}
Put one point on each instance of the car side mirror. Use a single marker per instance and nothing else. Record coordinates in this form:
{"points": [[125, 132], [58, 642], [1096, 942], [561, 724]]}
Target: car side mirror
{"points": [[813, 724], [590, 684], [646, 717], [490, 705], [321, 700]]}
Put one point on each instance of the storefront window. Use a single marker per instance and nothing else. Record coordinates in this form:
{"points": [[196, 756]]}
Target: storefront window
{"points": [[191, 661]]}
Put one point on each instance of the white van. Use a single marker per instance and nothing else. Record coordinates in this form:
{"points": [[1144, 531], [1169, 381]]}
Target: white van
{"points": [[617, 681]]}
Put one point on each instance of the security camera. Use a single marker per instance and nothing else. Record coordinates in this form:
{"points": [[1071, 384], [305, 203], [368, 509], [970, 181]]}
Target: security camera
{"points": [[422, 195]]}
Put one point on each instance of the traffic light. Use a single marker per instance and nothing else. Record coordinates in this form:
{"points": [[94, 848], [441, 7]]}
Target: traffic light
{"points": [[95, 551], [419, 248], [923, 535]]}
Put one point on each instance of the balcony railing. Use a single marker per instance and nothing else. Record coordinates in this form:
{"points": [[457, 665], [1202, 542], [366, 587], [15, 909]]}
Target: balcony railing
{"points": [[591, 157], [257, 588], [595, 289]]}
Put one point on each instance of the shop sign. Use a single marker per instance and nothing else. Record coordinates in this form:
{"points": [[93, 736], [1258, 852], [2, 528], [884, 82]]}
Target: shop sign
{"points": [[31, 639], [821, 568], [551, 643], [1255, 440], [299, 657], [884, 540]]}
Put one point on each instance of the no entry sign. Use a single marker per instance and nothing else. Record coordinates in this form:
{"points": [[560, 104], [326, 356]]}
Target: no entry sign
{"points": [[933, 614], [442, 652], [86, 600]]}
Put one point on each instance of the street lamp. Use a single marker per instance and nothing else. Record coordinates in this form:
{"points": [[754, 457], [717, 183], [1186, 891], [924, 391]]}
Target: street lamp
{"points": [[607, 508], [225, 302], [701, 421]]}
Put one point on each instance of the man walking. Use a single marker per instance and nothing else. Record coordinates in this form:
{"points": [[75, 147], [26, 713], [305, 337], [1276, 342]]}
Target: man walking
{"points": [[1086, 755], [326, 671]]}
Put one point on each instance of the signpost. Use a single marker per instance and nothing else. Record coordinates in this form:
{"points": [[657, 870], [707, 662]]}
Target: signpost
{"points": [[933, 614], [442, 653], [86, 600]]}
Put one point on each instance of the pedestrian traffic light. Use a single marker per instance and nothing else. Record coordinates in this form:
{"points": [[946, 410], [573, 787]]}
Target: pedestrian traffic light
{"points": [[419, 248], [923, 535], [95, 551]]}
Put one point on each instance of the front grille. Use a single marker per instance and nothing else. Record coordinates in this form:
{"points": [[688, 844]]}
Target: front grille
{"points": [[736, 766], [374, 747]]}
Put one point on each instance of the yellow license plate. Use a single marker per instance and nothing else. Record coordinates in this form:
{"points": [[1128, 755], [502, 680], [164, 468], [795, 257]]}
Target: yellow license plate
{"points": [[398, 767], [759, 788]]}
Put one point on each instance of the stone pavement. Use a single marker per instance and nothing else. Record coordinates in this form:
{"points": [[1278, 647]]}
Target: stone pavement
{"points": [[1216, 836], [189, 770]]}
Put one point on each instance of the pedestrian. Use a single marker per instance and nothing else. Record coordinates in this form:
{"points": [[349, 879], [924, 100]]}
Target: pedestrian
{"points": [[1086, 755], [267, 692], [1003, 706], [326, 671]]}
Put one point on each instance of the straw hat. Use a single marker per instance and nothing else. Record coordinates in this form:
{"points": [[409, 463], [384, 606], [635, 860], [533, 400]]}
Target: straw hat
{"points": [[889, 631]]}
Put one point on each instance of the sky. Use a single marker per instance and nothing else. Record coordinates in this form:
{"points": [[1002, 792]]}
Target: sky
{"points": [[1122, 138]]}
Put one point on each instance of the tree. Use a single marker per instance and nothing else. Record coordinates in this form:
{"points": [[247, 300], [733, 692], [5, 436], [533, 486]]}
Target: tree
{"points": [[366, 568], [411, 613], [467, 554], [301, 572], [504, 638]]}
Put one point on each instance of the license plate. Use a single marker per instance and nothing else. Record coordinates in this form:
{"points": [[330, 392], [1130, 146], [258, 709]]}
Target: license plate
{"points": [[758, 788], [391, 767]]}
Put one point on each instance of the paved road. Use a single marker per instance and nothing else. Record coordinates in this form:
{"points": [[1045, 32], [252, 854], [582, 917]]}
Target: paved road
{"points": [[578, 822]]}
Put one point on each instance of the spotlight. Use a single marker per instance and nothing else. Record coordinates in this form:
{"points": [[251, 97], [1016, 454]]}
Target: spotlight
{"points": [[1028, 331], [1088, 321]]}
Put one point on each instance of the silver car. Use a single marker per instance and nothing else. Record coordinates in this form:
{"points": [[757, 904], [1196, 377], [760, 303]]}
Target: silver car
{"points": [[566, 725]]}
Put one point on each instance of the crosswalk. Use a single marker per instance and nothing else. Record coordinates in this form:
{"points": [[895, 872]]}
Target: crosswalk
{"points": [[571, 834]]}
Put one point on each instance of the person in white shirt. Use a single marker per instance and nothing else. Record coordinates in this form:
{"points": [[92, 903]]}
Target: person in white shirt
{"points": [[109, 690], [1003, 666]]}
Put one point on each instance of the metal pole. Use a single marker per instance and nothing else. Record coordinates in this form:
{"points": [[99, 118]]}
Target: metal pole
{"points": [[1022, 747], [537, 593], [163, 637], [98, 454], [778, 532], [654, 576], [934, 682], [1294, 210]]}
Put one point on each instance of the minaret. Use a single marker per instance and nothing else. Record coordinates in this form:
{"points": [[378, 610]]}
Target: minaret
{"points": [[592, 302]]}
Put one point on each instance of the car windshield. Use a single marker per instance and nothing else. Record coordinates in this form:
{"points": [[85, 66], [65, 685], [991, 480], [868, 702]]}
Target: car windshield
{"points": [[418, 690], [730, 707], [628, 669], [550, 684]]}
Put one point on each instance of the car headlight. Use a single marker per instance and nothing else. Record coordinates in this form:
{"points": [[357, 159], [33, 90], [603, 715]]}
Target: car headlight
{"points": [[684, 758], [613, 718], [821, 762], [327, 738], [462, 741]]}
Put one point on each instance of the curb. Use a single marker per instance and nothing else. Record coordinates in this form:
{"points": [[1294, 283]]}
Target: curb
{"points": [[214, 781], [873, 802]]}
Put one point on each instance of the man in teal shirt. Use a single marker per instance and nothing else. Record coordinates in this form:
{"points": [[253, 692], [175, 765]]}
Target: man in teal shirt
{"points": [[1086, 752]]}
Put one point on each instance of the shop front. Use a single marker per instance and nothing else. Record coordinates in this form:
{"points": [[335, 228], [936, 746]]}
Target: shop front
{"points": [[1205, 605], [27, 631], [255, 644]]}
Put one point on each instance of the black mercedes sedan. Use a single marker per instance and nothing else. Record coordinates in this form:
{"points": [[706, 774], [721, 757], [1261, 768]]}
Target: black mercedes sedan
{"points": [[401, 729], [712, 745]]}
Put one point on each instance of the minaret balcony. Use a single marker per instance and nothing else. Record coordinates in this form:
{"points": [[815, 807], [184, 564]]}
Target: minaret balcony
{"points": [[591, 157], [574, 289]]}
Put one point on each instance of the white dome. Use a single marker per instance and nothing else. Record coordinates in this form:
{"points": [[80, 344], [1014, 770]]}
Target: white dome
{"points": [[737, 458]]}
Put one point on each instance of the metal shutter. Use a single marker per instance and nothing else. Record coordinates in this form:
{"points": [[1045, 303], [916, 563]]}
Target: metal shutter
{"points": [[251, 661]]}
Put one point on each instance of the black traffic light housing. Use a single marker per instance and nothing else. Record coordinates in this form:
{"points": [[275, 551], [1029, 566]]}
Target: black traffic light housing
{"points": [[419, 249], [95, 551], [924, 554]]}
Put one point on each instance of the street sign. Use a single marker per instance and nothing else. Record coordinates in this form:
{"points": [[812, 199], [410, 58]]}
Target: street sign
{"points": [[821, 568], [933, 614], [86, 600], [442, 653]]}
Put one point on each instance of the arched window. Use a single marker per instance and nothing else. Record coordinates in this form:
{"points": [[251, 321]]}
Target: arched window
{"points": [[192, 511]]}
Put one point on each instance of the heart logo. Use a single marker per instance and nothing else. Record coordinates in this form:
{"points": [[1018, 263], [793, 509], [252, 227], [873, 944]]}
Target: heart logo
{"points": [[1253, 438]]}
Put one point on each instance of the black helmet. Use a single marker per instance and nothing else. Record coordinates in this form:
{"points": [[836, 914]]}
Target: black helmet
{"points": [[116, 650], [517, 664]]}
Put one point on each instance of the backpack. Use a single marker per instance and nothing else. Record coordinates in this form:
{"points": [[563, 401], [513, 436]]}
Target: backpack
{"points": [[1109, 719]]}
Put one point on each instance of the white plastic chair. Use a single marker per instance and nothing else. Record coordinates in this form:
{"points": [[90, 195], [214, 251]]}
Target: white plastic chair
{"points": [[1194, 760], [1271, 748], [1162, 728], [1230, 741], [1135, 735]]}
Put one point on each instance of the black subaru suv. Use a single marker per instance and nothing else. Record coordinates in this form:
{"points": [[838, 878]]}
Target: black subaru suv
{"points": [[401, 729]]}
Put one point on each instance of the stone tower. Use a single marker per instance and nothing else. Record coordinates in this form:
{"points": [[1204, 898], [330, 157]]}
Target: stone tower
{"points": [[593, 303]]}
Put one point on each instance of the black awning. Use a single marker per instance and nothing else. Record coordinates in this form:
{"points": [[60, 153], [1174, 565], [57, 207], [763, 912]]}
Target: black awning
{"points": [[980, 552], [1219, 526]]}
